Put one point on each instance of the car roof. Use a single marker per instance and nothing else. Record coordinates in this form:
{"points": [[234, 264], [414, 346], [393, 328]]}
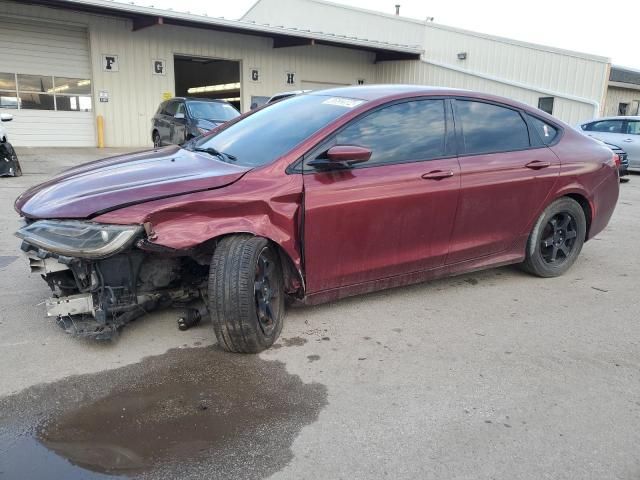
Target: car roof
{"points": [[290, 93], [378, 92], [382, 92], [620, 117], [199, 99]]}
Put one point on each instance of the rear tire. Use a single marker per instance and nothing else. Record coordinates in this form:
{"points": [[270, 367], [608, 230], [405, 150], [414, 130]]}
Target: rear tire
{"points": [[246, 294], [556, 239]]}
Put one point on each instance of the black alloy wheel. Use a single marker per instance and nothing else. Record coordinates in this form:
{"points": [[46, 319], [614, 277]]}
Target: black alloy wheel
{"points": [[246, 293], [265, 295], [558, 238]]}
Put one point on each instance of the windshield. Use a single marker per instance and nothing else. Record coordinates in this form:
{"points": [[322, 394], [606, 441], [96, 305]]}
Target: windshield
{"points": [[273, 131], [211, 111]]}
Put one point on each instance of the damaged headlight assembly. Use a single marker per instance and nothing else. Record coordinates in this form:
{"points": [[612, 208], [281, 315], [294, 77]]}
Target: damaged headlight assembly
{"points": [[76, 238]]}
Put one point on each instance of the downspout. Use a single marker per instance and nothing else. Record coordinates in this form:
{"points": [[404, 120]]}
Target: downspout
{"points": [[593, 103]]}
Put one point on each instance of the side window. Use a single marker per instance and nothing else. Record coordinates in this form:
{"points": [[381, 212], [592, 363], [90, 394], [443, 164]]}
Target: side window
{"points": [[161, 108], [403, 132], [547, 133], [633, 127], [181, 109], [488, 128], [171, 108], [605, 126]]}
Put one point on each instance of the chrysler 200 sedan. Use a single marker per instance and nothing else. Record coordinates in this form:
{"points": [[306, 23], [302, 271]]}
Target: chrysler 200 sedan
{"points": [[326, 195]]}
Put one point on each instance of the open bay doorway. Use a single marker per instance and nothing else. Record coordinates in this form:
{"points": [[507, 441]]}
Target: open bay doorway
{"points": [[203, 77]]}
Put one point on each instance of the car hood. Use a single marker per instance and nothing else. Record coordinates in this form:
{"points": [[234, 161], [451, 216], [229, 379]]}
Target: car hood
{"points": [[104, 185]]}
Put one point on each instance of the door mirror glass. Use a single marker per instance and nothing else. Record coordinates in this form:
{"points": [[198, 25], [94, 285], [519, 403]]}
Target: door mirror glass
{"points": [[6, 117]]}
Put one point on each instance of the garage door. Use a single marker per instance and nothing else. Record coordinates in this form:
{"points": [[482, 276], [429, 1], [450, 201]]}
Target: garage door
{"points": [[45, 82]]}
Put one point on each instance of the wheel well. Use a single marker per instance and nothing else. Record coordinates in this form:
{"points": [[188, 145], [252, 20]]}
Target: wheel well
{"points": [[586, 208], [294, 283], [155, 130]]}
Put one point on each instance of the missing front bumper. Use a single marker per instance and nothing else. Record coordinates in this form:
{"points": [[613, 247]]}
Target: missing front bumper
{"points": [[96, 298]]}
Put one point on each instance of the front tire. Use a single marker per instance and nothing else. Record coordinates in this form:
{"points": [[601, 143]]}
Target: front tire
{"points": [[556, 239], [246, 294], [156, 140]]}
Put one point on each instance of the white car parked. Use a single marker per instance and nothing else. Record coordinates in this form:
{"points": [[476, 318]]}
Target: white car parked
{"points": [[621, 131]]}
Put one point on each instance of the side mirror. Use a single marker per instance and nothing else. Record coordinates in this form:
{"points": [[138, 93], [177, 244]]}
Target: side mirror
{"points": [[342, 156], [6, 117], [179, 116], [348, 153]]}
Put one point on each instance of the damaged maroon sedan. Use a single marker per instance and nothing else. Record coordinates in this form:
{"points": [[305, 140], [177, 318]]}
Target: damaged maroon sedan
{"points": [[315, 198]]}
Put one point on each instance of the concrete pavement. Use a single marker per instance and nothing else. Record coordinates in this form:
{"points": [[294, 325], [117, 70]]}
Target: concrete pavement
{"points": [[495, 374]]}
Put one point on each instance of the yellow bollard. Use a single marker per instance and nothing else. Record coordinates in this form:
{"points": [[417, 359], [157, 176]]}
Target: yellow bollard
{"points": [[100, 120]]}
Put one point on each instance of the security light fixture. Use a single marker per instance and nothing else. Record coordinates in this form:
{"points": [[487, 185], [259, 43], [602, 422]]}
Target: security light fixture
{"points": [[462, 56]]}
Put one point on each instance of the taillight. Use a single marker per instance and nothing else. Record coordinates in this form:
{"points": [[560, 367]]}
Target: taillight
{"points": [[617, 160]]}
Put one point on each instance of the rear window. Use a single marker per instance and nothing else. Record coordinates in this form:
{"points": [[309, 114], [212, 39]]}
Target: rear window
{"points": [[267, 134], [488, 128], [545, 133]]}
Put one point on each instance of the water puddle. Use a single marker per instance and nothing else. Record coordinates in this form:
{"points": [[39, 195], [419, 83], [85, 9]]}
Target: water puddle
{"points": [[189, 413]]}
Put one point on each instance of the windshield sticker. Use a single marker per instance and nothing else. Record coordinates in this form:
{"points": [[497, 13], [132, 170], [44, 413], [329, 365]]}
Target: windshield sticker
{"points": [[343, 102]]}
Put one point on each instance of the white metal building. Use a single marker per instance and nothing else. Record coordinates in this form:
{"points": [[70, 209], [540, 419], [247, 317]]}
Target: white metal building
{"points": [[65, 62], [570, 85]]}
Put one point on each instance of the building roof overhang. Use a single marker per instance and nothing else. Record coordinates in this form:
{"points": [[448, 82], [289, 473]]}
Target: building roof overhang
{"points": [[145, 17]]}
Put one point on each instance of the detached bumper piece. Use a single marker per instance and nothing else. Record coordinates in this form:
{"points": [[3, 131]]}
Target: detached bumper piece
{"points": [[96, 298], [9, 164]]}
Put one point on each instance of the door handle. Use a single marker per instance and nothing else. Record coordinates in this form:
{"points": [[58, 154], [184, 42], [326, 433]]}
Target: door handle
{"points": [[537, 164], [438, 175], [628, 140]]}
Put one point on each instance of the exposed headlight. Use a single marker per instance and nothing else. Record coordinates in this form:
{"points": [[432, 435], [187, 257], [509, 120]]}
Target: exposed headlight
{"points": [[76, 238]]}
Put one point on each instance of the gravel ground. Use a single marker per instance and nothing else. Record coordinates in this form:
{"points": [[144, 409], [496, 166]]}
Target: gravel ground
{"points": [[494, 375]]}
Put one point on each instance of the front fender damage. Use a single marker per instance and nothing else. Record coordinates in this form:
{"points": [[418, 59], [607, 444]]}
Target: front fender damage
{"points": [[195, 222], [168, 265]]}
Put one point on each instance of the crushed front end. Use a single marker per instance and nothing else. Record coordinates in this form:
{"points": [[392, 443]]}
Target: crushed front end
{"points": [[104, 276]]}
